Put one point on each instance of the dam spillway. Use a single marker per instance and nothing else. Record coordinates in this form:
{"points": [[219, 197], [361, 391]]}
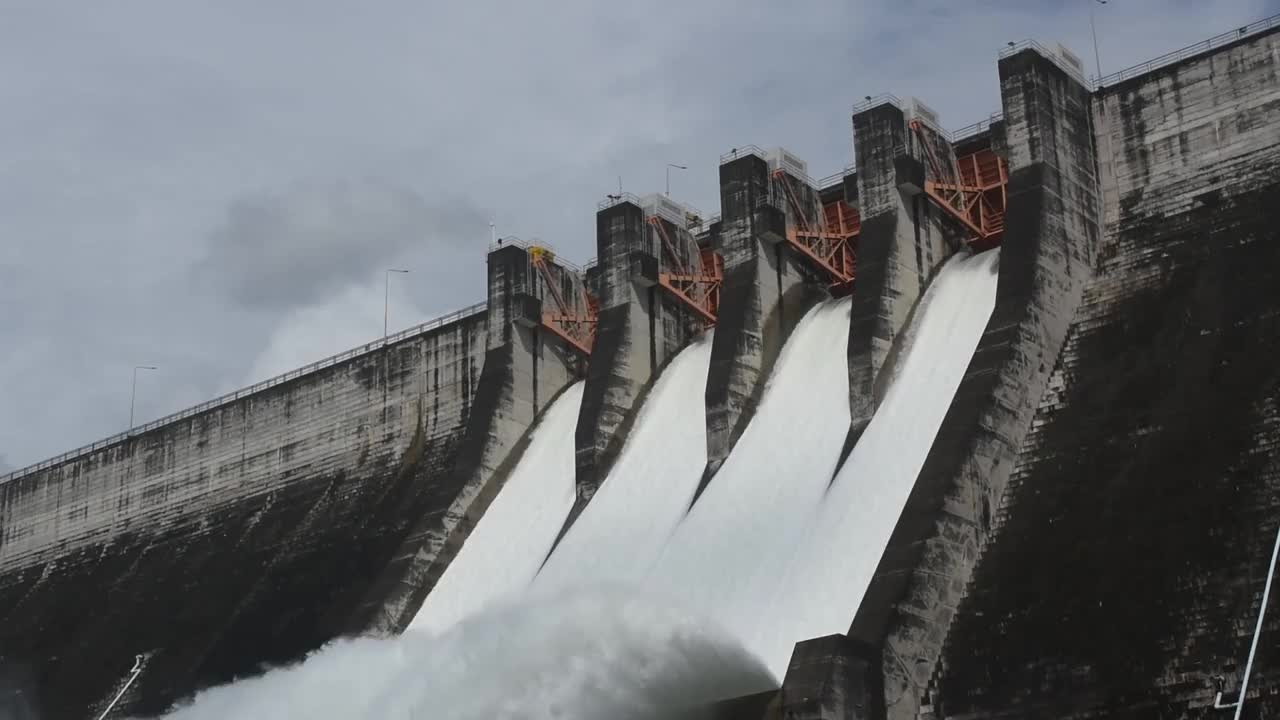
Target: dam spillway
{"points": [[1117, 412]]}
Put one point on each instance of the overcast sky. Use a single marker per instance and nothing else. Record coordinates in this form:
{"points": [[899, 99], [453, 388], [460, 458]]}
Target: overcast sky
{"points": [[215, 188]]}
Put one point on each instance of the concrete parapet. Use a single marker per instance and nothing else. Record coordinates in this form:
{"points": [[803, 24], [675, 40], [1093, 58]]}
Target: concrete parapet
{"points": [[525, 367], [1051, 236], [902, 241]]}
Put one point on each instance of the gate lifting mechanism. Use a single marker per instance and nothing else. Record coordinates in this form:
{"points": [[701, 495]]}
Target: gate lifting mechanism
{"points": [[828, 243], [696, 284], [971, 189], [574, 317]]}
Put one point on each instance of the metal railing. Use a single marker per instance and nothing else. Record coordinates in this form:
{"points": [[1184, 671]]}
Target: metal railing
{"points": [[881, 99], [836, 178], [1050, 54], [612, 199], [527, 244], [1216, 41], [231, 397], [977, 128], [743, 151]]}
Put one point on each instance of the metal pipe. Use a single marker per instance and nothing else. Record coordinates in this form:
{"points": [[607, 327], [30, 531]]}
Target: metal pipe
{"points": [[1257, 630], [386, 296], [133, 675], [1094, 28], [133, 393], [669, 166]]}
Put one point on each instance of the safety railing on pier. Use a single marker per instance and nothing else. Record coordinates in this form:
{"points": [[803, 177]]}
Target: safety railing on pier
{"points": [[743, 151], [217, 402], [1203, 46], [1060, 56]]}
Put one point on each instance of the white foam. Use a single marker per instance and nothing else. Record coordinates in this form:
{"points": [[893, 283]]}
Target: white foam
{"points": [[728, 555], [620, 534], [509, 544], [848, 534]]}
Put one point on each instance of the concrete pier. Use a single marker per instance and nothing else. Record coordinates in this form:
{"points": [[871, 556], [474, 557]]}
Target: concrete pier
{"points": [[1051, 235], [902, 241], [641, 326], [765, 294]]}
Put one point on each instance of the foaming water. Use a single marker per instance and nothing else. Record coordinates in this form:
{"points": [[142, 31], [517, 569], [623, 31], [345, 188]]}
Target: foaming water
{"points": [[513, 537], [620, 535], [728, 554], [647, 607], [580, 656], [848, 533]]}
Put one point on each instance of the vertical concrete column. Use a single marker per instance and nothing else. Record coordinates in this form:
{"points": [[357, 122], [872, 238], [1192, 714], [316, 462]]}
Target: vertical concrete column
{"points": [[760, 301], [1051, 235], [524, 369], [624, 356], [899, 246], [832, 678]]}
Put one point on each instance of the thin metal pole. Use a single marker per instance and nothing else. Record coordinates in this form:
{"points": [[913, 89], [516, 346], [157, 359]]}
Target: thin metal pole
{"points": [[1257, 630], [133, 675], [678, 167], [386, 297], [1097, 61], [133, 393]]}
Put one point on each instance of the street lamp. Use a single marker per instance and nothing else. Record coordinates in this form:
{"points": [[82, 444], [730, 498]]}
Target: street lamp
{"points": [[386, 297], [133, 394], [669, 166], [1094, 29]]}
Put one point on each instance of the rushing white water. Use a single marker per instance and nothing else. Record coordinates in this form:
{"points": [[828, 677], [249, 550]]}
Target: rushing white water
{"points": [[848, 534], [727, 557], [513, 537], [580, 656], [644, 608], [619, 536]]}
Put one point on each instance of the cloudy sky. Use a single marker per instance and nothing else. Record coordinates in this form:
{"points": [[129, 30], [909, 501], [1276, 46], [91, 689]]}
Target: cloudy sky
{"points": [[215, 188]]}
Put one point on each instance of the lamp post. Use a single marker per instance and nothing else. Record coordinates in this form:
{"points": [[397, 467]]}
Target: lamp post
{"points": [[1093, 28], [669, 166], [386, 297], [133, 393]]}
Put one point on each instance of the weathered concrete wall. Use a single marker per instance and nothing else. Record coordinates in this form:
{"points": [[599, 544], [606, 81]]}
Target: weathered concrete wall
{"points": [[903, 239], [1050, 237], [239, 536], [640, 328], [763, 296], [525, 368], [1127, 566]]}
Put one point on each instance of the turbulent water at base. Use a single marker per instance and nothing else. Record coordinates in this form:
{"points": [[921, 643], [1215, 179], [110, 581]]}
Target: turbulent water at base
{"points": [[513, 537], [647, 606], [587, 656]]}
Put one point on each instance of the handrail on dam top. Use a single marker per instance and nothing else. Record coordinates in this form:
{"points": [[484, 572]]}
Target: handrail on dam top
{"points": [[618, 199], [1183, 53], [881, 99], [743, 151], [977, 128], [1062, 57], [514, 241], [256, 387]]}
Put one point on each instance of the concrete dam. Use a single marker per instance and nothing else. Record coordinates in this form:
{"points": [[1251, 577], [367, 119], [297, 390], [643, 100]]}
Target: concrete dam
{"points": [[986, 426]]}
